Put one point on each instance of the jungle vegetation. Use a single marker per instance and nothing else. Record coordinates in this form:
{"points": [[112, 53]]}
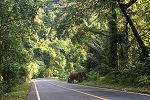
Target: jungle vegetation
{"points": [[109, 39]]}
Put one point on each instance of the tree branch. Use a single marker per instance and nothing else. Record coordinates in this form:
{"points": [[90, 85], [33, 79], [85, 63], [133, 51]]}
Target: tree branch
{"points": [[130, 3], [95, 32], [127, 5]]}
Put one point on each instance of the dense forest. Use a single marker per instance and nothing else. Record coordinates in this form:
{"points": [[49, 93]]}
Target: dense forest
{"points": [[109, 39]]}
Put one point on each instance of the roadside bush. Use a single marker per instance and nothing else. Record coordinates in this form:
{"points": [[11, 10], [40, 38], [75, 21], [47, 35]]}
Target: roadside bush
{"points": [[134, 75], [63, 76], [109, 78], [1, 88], [104, 69], [92, 75], [144, 80], [147, 66], [13, 74]]}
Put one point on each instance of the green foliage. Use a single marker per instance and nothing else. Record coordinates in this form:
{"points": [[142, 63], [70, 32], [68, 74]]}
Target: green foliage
{"points": [[136, 76], [17, 17], [118, 38], [16, 74], [104, 69], [41, 69], [144, 80], [1, 88], [33, 69], [93, 75], [63, 76], [51, 72], [19, 92], [71, 68]]}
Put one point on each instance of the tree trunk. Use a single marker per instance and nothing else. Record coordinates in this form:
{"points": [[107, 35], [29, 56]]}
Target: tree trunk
{"points": [[123, 8], [113, 30]]}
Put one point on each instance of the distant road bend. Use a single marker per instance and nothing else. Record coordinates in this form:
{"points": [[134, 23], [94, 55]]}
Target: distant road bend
{"points": [[51, 89]]}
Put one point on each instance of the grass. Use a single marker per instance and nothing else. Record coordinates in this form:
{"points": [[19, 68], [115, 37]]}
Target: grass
{"points": [[145, 90], [18, 93]]}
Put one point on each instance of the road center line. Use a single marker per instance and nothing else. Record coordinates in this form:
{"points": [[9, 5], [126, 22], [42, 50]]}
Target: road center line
{"points": [[101, 98], [38, 96]]}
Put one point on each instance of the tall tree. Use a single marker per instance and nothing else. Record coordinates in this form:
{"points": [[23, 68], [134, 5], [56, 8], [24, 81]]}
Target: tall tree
{"points": [[124, 8], [113, 32]]}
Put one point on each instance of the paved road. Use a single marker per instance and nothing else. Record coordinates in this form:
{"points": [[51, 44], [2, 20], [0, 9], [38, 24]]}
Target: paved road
{"points": [[51, 89]]}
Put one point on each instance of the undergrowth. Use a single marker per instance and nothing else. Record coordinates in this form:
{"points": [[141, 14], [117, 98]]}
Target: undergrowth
{"points": [[19, 92]]}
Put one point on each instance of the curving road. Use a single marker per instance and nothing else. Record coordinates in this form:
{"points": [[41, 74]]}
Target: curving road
{"points": [[51, 89]]}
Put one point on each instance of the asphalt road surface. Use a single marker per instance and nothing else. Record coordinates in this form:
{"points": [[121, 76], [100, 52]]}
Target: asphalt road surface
{"points": [[51, 89]]}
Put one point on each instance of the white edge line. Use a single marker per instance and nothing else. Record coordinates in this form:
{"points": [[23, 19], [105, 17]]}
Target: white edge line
{"points": [[38, 96]]}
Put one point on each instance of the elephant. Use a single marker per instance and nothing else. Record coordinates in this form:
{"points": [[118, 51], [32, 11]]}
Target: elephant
{"points": [[78, 76]]}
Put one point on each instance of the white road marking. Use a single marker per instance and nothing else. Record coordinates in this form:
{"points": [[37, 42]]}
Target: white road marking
{"points": [[38, 96]]}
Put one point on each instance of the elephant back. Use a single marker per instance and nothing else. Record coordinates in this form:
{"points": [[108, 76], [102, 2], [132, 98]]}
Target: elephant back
{"points": [[75, 75], [78, 76]]}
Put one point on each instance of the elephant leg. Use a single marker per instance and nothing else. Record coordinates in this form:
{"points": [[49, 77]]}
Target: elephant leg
{"points": [[73, 81], [69, 81], [80, 80]]}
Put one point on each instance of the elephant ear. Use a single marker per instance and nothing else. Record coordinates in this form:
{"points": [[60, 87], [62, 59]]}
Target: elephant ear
{"points": [[82, 73]]}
